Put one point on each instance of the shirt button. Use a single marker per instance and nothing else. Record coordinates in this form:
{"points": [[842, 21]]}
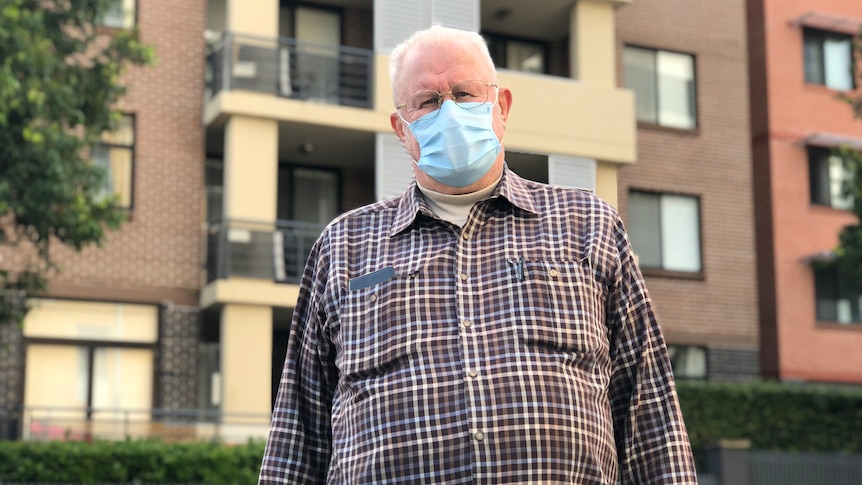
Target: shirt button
{"points": [[373, 298], [467, 323], [554, 273], [463, 276], [479, 436], [465, 235], [472, 373]]}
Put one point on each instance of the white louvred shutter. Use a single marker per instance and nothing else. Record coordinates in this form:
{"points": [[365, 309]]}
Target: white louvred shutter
{"points": [[396, 20], [459, 14], [572, 171], [393, 168]]}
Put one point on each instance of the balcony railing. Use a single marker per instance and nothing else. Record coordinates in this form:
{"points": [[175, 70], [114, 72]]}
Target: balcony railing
{"points": [[249, 249], [45, 423], [287, 67]]}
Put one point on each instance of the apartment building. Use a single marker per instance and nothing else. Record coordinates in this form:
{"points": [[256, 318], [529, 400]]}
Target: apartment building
{"points": [[115, 337], [262, 120], [688, 202], [801, 58]]}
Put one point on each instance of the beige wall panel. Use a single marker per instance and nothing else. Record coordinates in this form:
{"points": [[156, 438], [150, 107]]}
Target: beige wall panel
{"points": [[92, 321], [246, 362], [255, 17], [553, 115], [593, 49], [250, 169], [249, 292], [606, 182]]}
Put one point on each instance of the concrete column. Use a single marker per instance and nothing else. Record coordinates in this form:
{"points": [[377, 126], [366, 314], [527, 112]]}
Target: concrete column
{"points": [[250, 169], [606, 182], [246, 368], [592, 48], [253, 17]]}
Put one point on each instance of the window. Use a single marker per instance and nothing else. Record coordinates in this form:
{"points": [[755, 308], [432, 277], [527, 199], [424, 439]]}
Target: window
{"points": [[121, 15], [828, 174], [214, 181], [688, 361], [89, 365], [837, 301], [518, 54], [115, 155], [828, 59], [665, 231], [307, 194], [664, 87]]}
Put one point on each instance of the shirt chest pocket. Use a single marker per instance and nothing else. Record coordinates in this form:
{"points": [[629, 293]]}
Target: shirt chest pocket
{"points": [[559, 306], [382, 326]]}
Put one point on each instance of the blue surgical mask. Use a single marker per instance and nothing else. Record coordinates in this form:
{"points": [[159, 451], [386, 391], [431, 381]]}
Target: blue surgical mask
{"points": [[457, 145]]}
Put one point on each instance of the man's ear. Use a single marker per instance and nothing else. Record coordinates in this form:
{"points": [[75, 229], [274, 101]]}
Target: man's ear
{"points": [[397, 125], [504, 99]]}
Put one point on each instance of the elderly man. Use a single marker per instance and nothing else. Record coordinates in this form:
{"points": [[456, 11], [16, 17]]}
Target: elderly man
{"points": [[479, 328]]}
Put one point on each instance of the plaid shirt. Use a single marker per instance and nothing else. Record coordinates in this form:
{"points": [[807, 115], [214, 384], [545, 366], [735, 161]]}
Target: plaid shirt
{"points": [[521, 348]]}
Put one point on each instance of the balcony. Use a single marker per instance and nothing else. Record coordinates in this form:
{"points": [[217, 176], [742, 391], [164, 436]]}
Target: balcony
{"points": [[257, 250], [42, 423], [285, 67]]}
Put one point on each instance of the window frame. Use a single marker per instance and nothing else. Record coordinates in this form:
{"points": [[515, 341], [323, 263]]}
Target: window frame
{"points": [[109, 145], [817, 156], [820, 35], [130, 15], [840, 288], [672, 350], [695, 101], [498, 46], [662, 271]]}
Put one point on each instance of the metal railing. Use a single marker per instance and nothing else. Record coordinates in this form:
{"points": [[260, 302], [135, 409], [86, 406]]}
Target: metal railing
{"points": [[275, 251], [286, 67], [45, 423]]}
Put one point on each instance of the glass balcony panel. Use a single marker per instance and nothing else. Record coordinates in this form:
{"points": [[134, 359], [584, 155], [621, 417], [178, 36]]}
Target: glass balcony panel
{"points": [[286, 67]]}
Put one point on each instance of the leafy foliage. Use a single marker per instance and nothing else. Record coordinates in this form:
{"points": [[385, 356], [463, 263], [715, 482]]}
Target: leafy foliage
{"points": [[142, 461], [59, 86], [773, 416]]}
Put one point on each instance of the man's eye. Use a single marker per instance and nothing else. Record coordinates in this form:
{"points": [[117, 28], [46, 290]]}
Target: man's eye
{"points": [[425, 101], [463, 95]]}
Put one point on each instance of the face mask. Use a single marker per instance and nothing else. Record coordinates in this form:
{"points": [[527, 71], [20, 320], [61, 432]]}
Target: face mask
{"points": [[457, 145]]}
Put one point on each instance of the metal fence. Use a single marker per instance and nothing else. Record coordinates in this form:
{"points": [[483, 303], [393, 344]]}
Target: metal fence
{"points": [[46, 423], [743, 466], [286, 67], [276, 252], [783, 468]]}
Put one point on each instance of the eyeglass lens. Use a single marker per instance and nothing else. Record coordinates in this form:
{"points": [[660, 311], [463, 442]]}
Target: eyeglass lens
{"points": [[425, 102]]}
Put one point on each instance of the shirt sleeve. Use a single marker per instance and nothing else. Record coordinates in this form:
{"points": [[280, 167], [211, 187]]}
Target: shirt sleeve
{"points": [[299, 444], [651, 438]]}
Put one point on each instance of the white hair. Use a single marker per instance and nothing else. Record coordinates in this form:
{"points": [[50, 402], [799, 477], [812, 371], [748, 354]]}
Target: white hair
{"points": [[434, 37]]}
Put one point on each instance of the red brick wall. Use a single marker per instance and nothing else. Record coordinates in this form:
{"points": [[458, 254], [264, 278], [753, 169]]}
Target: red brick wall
{"points": [[804, 349], [158, 253], [712, 163]]}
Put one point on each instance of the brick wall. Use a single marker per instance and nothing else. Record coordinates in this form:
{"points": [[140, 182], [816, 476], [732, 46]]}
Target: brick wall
{"points": [[157, 255], [712, 163]]}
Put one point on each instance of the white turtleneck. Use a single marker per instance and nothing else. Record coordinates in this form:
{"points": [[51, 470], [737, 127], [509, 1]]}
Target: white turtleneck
{"points": [[455, 208]]}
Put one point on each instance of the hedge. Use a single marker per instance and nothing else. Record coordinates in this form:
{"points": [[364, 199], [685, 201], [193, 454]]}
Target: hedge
{"points": [[772, 416], [143, 461]]}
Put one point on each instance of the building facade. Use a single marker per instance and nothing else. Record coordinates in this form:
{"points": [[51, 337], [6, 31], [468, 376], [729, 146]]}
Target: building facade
{"points": [[802, 57], [262, 120], [688, 201]]}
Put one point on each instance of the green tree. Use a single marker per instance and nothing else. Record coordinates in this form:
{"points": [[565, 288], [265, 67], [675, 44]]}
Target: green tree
{"points": [[60, 74]]}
